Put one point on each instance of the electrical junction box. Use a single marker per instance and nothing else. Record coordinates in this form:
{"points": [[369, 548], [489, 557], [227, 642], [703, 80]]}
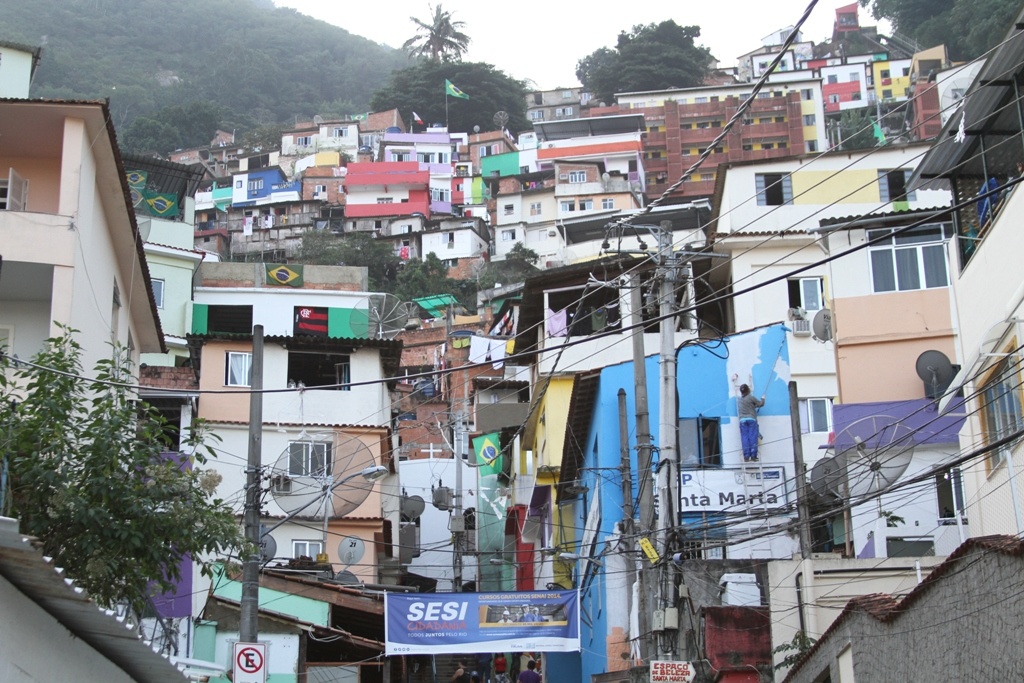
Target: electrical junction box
{"points": [[671, 619], [458, 524], [658, 620]]}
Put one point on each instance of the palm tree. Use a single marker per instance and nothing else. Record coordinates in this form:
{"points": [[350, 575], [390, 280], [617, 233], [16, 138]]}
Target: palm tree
{"points": [[438, 40]]}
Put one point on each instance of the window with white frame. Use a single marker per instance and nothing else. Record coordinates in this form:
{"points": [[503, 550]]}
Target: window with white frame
{"points": [[1001, 407], [808, 119], [586, 204], [485, 150], [158, 292], [577, 176], [911, 260], [567, 205], [304, 141], [567, 94], [238, 369], [537, 115], [535, 208], [892, 186], [773, 189], [341, 132], [607, 203], [308, 549], [508, 235], [508, 209], [255, 184], [816, 415], [563, 111], [385, 200], [807, 293], [309, 458]]}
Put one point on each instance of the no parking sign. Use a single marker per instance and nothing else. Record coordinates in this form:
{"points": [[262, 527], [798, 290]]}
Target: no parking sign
{"points": [[250, 663]]}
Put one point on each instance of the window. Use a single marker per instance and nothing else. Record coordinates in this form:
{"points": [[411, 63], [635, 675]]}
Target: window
{"points": [[341, 132], [809, 119], [700, 442], [807, 94], [537, 115], [703, 124], [255, 184], [833, 99], [898, 262], [304, 141], [884, 73], [238, 369], [706, 177], [811, 145], [567, 205], [833, 78], [309, 459], [773, 189], [319, 189], [892, 186], [440, 194], [949, 493], [508, 209], [700, 100], [401, 156], [816, 415], [563, 111], [308, 549], [1000, 407], [768, 145], [385, 200], [13, 192], [807, 293], [586, 204], [484, 150], [508, 235], [158, 292], [854, 77], [577, 176], [887, 94], [567, 94], [535, 208], [747, 147], [607, 203]]}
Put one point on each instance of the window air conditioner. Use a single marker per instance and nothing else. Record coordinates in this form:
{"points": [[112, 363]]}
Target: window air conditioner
{"points": [[281, 483], [797, 314], [801, 328]]}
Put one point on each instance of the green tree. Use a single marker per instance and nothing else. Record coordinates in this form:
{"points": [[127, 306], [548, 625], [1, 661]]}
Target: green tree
{"points": [[146, 135], [650, 57], [794, 650], [968, 28], [324, 248], [421, 89], [519, 264], [90, 476], [439, 39], [856, 130]]}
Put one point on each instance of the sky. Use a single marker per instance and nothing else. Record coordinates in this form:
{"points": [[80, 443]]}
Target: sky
{"points": [[541, 42]]}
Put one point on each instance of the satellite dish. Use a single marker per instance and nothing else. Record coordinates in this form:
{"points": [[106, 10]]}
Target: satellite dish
{"points": [[412, 507], [821, 326], [934, 368], [827, 478], [878, 450], [309, 469], [268, 546], [500, 119], [386, 316], [952, 94], [350, 550], [317, 119], [346, 578]]}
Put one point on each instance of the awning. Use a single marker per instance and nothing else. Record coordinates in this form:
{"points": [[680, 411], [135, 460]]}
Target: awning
{"points": [[993, 338]]}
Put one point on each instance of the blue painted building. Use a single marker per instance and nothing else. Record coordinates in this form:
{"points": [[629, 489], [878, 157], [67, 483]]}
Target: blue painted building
{"points": [[720, 498]]}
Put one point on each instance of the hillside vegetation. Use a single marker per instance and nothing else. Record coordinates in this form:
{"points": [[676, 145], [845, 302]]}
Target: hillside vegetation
{"points": [[257, 63]]}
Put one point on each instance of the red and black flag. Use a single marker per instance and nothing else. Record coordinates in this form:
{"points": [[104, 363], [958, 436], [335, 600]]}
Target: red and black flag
{"points": [[311, 321]]}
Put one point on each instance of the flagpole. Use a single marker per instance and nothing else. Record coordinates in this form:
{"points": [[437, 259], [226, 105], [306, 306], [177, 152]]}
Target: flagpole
{"points": [[446, 107]]}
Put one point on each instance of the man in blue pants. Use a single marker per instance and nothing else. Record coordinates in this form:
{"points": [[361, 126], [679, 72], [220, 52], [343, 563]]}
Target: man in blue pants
{"points": [[747, 411]]}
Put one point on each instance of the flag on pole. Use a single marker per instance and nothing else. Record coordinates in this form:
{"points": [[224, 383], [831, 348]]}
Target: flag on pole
{"points": [[416, 118], [450, 89], [488, 453], [877, 132]]}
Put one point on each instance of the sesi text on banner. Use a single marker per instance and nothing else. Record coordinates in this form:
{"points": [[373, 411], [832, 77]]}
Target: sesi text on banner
{"points": [[466, 623]]}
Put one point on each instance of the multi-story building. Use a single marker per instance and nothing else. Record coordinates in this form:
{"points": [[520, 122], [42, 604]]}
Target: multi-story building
{"points": [[786, 118], [73, 254], [555, 105]]}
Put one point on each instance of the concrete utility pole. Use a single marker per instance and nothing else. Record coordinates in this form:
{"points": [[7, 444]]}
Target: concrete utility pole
{"points": [[645, 475], [248, 629], [802, 508]]}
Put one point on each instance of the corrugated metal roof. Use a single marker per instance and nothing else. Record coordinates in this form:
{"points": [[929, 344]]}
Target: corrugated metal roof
{"points": [[36, 576]]}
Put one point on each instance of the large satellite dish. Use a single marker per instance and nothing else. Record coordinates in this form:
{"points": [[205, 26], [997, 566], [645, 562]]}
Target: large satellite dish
{"points": [[878, 450], [500, 119], [385, 316], [935, 370], [309, 469], [827, 478]]}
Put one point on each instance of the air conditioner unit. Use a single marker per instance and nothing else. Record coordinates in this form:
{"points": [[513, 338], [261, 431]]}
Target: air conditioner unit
{"points": [[281, 483], [801, 328], [797, 314], [552, 233]]}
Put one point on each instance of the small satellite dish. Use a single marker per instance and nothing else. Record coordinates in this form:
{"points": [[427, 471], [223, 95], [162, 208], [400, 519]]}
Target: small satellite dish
{"points": [[935, 370], [318, 120], [827, 478], [878, 450], [268, 546], [346, 578], [412, 507], [351, 550], [821, 326]]}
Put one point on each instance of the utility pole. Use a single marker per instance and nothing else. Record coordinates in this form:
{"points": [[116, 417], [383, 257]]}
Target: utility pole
{"points": [[645, 475], [248, 628], [803, 510], [629, 541]]}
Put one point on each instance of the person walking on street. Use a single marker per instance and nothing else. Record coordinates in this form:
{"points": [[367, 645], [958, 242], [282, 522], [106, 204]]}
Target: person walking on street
{"points": [[747, 411], [529, 676]]}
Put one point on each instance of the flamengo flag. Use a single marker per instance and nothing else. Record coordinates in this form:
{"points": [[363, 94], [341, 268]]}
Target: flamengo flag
{"points": [[416, 118], [309, 320], [450, 89]]}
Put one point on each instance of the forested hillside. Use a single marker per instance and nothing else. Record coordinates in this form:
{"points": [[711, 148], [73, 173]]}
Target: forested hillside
{"points": [[259, 63]]}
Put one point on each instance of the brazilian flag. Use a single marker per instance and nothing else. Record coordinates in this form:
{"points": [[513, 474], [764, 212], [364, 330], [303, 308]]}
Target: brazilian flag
{"points": [[280, 274], [137, 179], [487, 449], [159, 204], [452, 91]]}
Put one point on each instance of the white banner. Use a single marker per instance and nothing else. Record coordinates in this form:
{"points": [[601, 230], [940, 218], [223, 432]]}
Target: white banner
{"points": [[733, 490]]}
